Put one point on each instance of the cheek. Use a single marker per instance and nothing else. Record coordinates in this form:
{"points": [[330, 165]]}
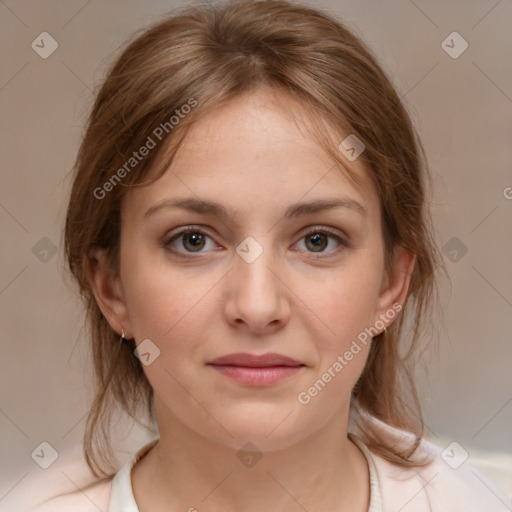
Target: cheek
{"points": [[344, 305], [162, 301], [171, 311], [342, 345]]}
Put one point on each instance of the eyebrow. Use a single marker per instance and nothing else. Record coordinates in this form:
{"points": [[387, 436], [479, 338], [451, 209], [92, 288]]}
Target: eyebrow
{"points": [[295, 210]]}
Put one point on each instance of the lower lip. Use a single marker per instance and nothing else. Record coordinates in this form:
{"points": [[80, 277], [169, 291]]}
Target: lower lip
{"points": [[252, 376]]}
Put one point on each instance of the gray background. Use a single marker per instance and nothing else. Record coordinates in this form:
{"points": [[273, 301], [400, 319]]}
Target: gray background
{"points": [[462, 108]]}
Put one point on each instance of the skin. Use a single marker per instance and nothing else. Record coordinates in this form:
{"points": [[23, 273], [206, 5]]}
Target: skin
{"points": [[296, 299]]}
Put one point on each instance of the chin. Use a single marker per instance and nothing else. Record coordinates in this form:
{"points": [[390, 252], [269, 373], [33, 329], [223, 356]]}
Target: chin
{"points": [[270, 430]]}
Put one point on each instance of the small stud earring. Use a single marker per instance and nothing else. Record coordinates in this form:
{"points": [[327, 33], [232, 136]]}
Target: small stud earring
{"points": [[122, 337]]}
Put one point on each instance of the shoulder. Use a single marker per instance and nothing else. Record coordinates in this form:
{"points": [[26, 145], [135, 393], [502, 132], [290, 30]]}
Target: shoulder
{"points": [[92, 498], [449, 482], [66, 485]]}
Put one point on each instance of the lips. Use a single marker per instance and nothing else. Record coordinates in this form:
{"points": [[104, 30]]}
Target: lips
{"points": [[255, 361], [256, 370]]}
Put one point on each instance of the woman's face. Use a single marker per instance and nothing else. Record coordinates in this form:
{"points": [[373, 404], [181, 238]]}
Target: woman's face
{"points": [[260, 273]]}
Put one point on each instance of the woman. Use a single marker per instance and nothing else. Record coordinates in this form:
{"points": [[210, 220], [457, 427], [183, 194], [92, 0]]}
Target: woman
{"points": [[249, 229]]}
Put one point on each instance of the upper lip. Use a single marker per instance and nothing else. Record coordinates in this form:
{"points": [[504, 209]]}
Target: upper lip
{"points": [[256, 361]]}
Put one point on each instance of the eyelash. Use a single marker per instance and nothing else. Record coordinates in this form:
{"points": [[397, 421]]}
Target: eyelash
{"points": [[343, 244]]}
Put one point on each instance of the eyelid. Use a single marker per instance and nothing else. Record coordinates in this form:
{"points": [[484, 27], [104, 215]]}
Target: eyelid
{"points": [[325, 229]]}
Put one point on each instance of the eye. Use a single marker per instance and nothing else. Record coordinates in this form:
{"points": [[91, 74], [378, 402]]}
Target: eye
{"points": [[318, 240], [194, 239], [191, 240]]}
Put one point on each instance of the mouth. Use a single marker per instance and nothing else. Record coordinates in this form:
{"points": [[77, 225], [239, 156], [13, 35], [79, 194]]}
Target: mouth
{"points": [[257, 370]]}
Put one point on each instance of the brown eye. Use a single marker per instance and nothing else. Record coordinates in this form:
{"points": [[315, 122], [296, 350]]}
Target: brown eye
{"points": [[193, 241], [188, 241], [319, 242]]}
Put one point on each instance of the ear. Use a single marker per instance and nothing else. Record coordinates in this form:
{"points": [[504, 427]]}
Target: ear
{"points": [[395, 284], [108, 291]]}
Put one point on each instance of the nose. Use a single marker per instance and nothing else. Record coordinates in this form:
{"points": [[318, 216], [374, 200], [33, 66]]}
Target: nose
{"points": [[258, 296]]}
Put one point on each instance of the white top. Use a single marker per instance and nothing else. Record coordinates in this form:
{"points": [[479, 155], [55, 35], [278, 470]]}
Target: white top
{"points": [[122, 499]]}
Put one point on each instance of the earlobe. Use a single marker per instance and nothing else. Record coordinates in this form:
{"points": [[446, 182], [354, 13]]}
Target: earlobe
{"points": [[396, 284], [106, 287]]}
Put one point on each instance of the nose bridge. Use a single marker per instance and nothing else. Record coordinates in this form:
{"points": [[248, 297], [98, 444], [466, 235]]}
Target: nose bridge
{"points": [[257, 295], [254, 263]]}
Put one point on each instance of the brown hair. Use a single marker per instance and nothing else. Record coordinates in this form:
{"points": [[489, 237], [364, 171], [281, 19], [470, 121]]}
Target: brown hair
{"points": [[208, 54]]}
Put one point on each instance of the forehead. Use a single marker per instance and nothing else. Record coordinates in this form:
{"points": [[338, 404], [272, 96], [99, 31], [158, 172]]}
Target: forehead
{"points": [[255, 151]]}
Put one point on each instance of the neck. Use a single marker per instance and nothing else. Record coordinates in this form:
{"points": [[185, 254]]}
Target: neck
{"points": [[186, 471]]}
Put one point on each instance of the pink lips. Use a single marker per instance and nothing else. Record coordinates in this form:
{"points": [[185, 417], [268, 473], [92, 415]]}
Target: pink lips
{"points": [[256, 370]]}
